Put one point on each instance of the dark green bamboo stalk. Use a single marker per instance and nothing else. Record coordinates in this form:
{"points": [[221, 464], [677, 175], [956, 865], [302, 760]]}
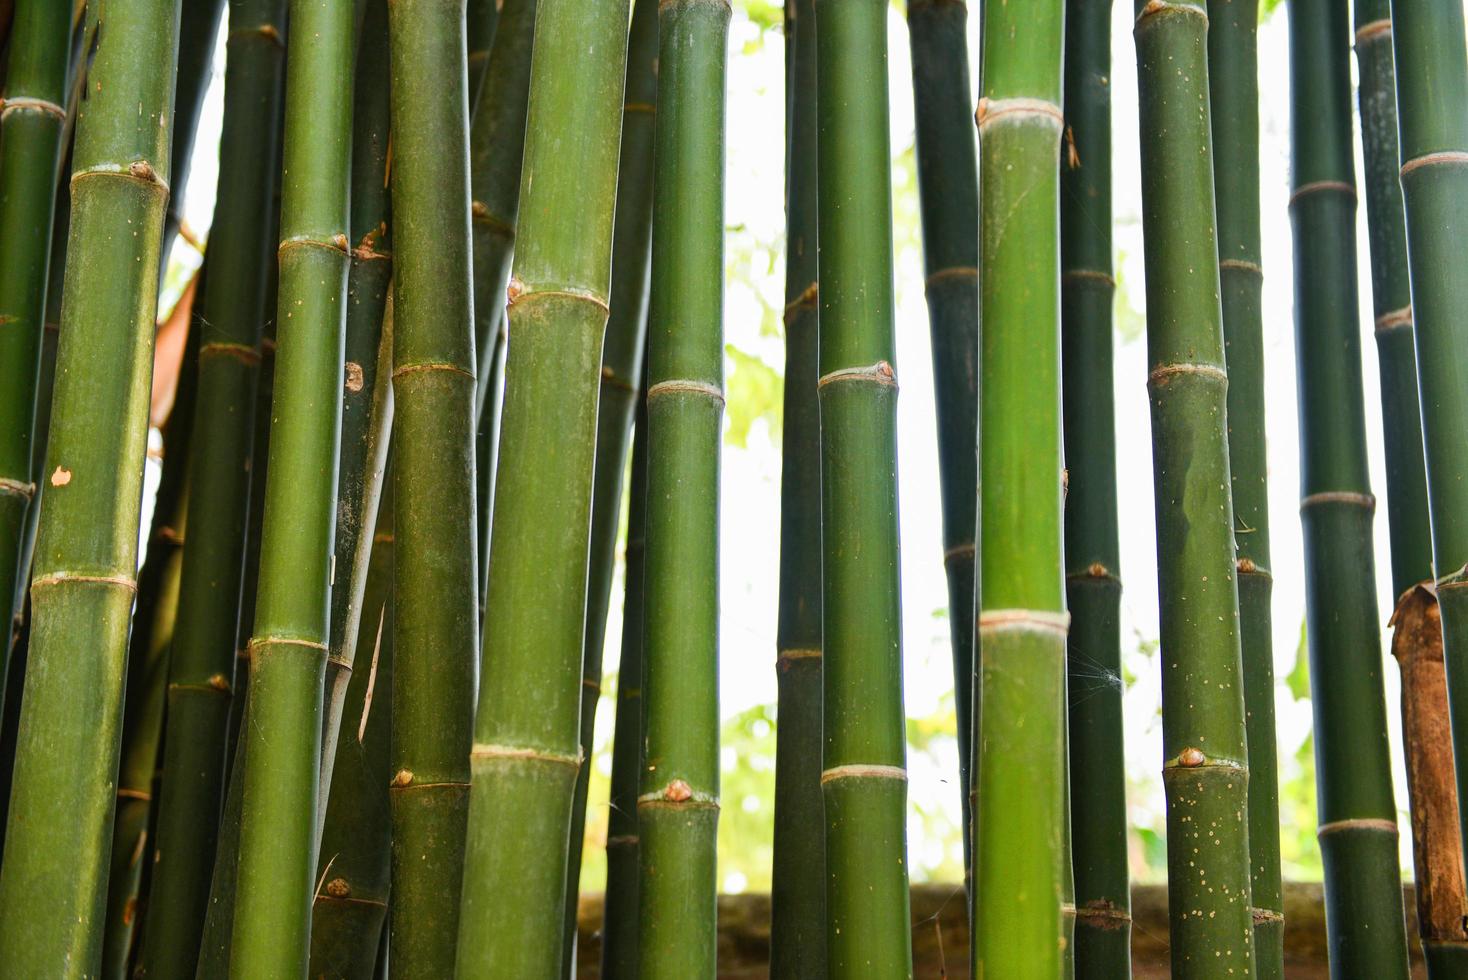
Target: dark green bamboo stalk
{"points": [[526, 747], [1206, 770], [619, 925], [1233, 81], [1358, 826], [678, 803], [621, 376], [288, 648], [201, 667], [86, 552], [1098, 818], [496, 150], [367, 402], [798, 871], [948, 193], [30, 141], [864, 775], [1417, 633], [350, 909], [198, 30], [1020, 822], [1432, 118], [154, 621], [435, 579], [481, 20]]}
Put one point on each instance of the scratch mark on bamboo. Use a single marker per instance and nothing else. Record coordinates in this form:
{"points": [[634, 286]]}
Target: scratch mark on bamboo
{"points": [[861, 771]]}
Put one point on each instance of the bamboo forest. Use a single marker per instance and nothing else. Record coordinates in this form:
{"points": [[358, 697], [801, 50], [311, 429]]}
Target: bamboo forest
{"points": [[457, 517]]}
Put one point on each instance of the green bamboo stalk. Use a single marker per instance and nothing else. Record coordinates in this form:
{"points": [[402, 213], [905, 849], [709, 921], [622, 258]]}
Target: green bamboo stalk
{"points": [[30, 141], [864, 776], [198, 30], [481, 20], [1432, 119], [350, 909], [678, 803], [1233, 82], [1098, 817], [1206, 769], [435, 577], [201, 668], [798, 868], [619, 924], [496, 150], [1358, 826], [1019, 823], [526, 748], [1417, 632], [948, 194], [367, 405], [86, 551], [288, 649], [155, 617], [621, 376]]}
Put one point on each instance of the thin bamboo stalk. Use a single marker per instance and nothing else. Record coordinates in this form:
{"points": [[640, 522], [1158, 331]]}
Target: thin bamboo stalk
{"points": [[1020, 820], [526, 750], [481, 19], [1206, 769], [1432, 119], [1098, 817], [288, 648], [619, 926], [864, 775], [949, 196], [198, 30], [201, 667], [621, 380], [678, 803], [350, 909], [1233, 82], [30, 145], [86, 550], [1358, 826], [1437, 851], [798, 868], [435, 579]]}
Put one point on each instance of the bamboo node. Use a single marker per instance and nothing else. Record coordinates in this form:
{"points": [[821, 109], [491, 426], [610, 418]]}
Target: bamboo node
{"points": [[1439, 158], [1087, 277], [1019, 110], [1378, 824], [40, 105], [1164, 373], [60, 477], [266, 32], [519, 292], [415, 368], [957, 552], [1374, 30], [880, 374], [958, 272], [644, 107], [686, 386], [623, 840], [787, 658], [15, 488], [1023, 621], [1103, 914], [1266, 916], [1241, 265], [1323, 186], [1192, 760], [62, 578], [243, 353], [124, 793], [480, 214], [1365, 501], [860, 771], [492, 752], [1156, 7], [1394, 320]]}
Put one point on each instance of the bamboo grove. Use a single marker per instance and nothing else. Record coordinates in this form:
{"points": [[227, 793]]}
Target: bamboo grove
{"points": [[462, 309]]}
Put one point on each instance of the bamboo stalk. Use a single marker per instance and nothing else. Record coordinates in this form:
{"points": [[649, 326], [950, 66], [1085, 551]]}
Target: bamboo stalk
{"points": [[621, 381], [1234, 108], [1437, 851], [1432, 119], [350, 909], [1019, 845], [798, 868], [948, 194], [288, 648], [1206, 769], [201, 667], [481, 19], [619, 926], [86, 550], [526, 746], [864, 776], [1098, 817], [435, 579], [367, 403], [30, 141], [198, 30], [1358, 828], [678, 802]]}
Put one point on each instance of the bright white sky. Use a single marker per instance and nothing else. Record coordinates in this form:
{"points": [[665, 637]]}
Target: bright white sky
{"points": [[751, 476]]}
